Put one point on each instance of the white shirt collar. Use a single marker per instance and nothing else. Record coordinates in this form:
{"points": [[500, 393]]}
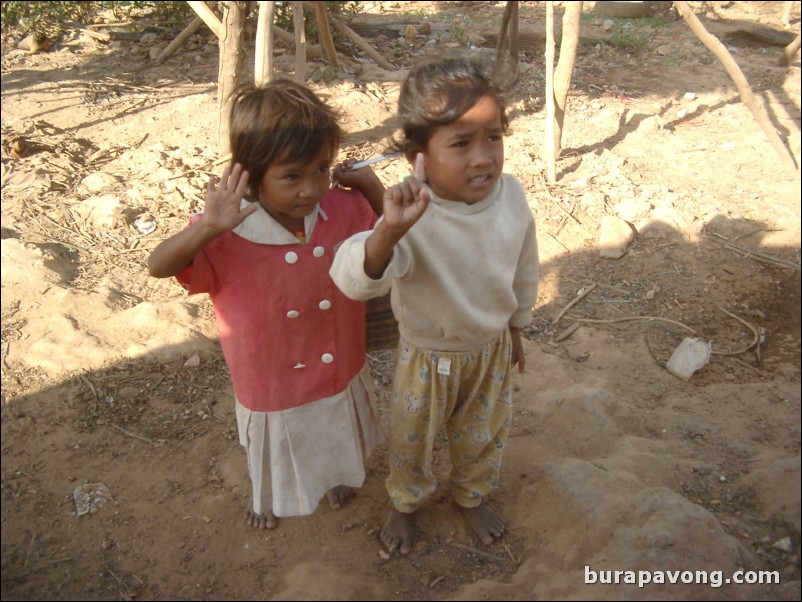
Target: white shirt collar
{"points": [[465, 208], [261, 228]]}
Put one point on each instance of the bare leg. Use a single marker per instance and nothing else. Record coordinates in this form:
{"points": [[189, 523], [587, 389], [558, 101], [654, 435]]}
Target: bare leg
{"points": [[488, 525], [266, 520], [339, 496], [398, 532]]}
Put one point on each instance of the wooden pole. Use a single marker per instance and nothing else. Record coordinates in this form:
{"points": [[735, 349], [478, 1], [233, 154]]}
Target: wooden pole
{"points": [[356, 39], [263, 61], [514, 38], [569, 41], [231, 59], [205, 13], [325, 34], [509, 22], [190, 29], [359, 41], [300, 41], [749, 99], [551, 162], [289, 39], [789, 52]]}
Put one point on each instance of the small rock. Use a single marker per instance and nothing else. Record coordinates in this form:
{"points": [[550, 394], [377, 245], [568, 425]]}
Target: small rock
{"points": [[98, 181], [409, 35], [614, 237], [785, 544], [34, 44]]}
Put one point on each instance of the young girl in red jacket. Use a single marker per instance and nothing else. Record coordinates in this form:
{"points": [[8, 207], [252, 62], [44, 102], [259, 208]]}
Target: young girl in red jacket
{"points": [[293, 343]]}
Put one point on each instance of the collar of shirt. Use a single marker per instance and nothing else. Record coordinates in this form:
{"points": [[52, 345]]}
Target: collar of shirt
{"points": [[465, 208], [261, 228]]}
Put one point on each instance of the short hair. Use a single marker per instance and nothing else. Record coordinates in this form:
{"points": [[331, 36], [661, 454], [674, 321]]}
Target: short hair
{"points": [[279, 121], [439, 91]]}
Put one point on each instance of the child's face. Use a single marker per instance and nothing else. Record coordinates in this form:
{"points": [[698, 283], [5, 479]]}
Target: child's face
{"points": [[465, 158], [291, 191]]}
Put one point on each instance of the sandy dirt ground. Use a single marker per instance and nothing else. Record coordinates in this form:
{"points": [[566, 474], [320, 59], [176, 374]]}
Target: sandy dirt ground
{"points": [[122, 476]]}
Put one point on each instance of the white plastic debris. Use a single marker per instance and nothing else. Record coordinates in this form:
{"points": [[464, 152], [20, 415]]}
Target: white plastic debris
{"points": [[691, 355], [90, 497], [145, 226]]}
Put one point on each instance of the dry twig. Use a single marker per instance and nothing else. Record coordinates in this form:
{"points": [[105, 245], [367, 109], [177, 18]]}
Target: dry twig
{"points": [[477, 552], [130, 434], [583, 292], [757, 255], [555, 201], [629, 319], [755, 332]]}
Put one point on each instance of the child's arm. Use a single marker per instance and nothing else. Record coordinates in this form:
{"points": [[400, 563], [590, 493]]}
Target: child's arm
{"points": [[221, 213], [404, 204], [364, 179]]}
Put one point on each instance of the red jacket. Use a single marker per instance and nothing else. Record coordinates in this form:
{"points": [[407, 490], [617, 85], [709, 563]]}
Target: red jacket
{"points": [[289, 336]]}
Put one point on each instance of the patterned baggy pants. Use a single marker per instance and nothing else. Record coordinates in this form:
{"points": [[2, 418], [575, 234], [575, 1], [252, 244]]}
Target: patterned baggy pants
{"points": [[468, 392]]}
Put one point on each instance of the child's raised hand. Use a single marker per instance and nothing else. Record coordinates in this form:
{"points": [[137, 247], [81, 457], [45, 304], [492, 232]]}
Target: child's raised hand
{"points": [[347, 177], [363, 179], [222, 211], [406, 202]]}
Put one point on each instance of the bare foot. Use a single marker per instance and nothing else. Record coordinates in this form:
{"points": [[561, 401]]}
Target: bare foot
{"points": [[339, 496], [266, 520], [398, 532], [488, 525]]}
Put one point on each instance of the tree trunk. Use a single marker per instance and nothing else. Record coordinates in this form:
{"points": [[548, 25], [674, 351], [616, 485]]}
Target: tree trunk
{"points": [[565, 68], [749, 99], [231, 61]]}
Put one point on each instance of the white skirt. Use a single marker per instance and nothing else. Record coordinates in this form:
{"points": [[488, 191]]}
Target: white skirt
{"points": [[295, 456]]}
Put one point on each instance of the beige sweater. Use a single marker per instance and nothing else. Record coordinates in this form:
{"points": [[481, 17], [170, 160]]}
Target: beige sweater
{"points": [[460, 275]]}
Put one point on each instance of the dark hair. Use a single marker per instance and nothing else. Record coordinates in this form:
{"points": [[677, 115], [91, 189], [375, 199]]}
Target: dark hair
{"points": [[441, 90], [279, 121]]}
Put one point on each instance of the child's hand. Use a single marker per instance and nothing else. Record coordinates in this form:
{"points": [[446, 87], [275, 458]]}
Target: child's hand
{"points": [[364, 179], [405, 203], [518, 357], [222, 211], [345, 176]]}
